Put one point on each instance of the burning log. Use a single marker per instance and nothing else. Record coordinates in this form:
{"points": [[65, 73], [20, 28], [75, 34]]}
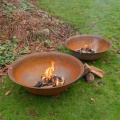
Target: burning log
{"points": [[53, 82], [39, 84], [50, 80], [85, 49]]}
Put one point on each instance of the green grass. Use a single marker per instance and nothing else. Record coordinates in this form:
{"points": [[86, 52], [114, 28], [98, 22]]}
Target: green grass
{"points": [[89, 17]]}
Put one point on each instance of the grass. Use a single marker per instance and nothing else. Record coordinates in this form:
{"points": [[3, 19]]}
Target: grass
{"points": [[89, 17]]}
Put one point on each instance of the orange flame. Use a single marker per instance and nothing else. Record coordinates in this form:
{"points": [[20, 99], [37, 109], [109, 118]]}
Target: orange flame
{"points": [[48, 73], [89, 46], [57, 82], [50, 76], [85, 46]]}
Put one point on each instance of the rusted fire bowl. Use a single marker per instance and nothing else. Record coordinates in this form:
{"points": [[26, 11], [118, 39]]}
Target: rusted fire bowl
{"points": [[99, 44], [28, 70]]}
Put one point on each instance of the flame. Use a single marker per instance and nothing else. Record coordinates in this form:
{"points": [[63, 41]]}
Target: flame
{"points": [[63, 80], [50, 77], [57, 82], [49, 71], [85, 46], [88, 46]]}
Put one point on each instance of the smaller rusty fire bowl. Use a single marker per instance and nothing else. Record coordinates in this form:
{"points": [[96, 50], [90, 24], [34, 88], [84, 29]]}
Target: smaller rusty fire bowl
{"points": [[28, 70], [99, 44]]}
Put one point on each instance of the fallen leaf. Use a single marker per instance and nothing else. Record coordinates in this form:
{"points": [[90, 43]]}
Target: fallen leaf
{"points": [[92, 99], [2, 81], [1, 117], [55, 114], [49, 114], [118, 52], [11, 87], [3, 87], [35, 115], [119, 97], [82, 90], [116, 40], [8, 92], [102, 113], [27, 108]]}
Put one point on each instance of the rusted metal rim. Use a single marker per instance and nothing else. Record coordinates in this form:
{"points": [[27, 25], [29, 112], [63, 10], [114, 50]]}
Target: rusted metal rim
{"points": [[42, 53], [110, 43]]}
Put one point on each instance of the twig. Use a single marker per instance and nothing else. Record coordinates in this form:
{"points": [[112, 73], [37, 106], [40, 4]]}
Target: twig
{"points": [[54, 31]]}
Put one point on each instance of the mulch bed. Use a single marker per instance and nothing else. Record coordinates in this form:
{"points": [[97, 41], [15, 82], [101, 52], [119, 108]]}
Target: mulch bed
{"points": [[32, 28]]}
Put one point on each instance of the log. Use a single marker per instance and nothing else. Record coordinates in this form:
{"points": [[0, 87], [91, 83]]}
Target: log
{"points": [[96, 71], [89, 77], [86, 70]]}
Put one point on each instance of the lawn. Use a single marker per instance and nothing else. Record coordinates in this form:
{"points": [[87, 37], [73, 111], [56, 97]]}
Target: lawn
{"points": [[88, 17]]}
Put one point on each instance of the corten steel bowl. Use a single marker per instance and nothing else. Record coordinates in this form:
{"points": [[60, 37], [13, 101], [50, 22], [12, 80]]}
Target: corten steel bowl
{"points": [[99, 44], [28, 70]]}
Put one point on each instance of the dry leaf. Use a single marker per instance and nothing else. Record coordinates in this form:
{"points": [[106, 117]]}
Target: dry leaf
{"points": [[49, 114], [3, 87], [27, 108], [11, 88], [119, 97], [1, 117], [8, 92], [102, 113], [92, 99], [2, 80], [55, 114], [82, 90]]}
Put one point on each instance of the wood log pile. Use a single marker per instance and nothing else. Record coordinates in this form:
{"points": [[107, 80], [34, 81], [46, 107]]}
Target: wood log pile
{"points": [[90, 72]]}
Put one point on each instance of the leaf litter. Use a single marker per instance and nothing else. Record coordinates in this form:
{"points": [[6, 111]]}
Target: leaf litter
{"points": [[33, 30]]}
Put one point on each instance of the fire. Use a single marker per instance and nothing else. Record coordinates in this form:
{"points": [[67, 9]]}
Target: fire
{"points": [[49, 71], [49, 75], [86, 49], [88, 46], [85, 46], [57, 82], [50, 79]]}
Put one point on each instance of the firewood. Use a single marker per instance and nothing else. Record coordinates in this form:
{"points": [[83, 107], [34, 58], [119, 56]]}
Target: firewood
{"points": [[50, 86], [86, 70], [96, 71], [89, 77]]}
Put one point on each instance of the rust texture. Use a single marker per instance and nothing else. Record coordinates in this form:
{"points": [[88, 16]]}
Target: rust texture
{"points": [[28, 70], [99, 44]]}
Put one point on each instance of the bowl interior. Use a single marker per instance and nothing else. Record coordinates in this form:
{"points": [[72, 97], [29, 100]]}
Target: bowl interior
{"points": [[98, 44], [28, 70]]}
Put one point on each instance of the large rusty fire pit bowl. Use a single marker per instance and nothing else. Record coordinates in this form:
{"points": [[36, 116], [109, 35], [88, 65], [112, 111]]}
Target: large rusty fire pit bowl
{"points": [[99, 44], [28, 70]]}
